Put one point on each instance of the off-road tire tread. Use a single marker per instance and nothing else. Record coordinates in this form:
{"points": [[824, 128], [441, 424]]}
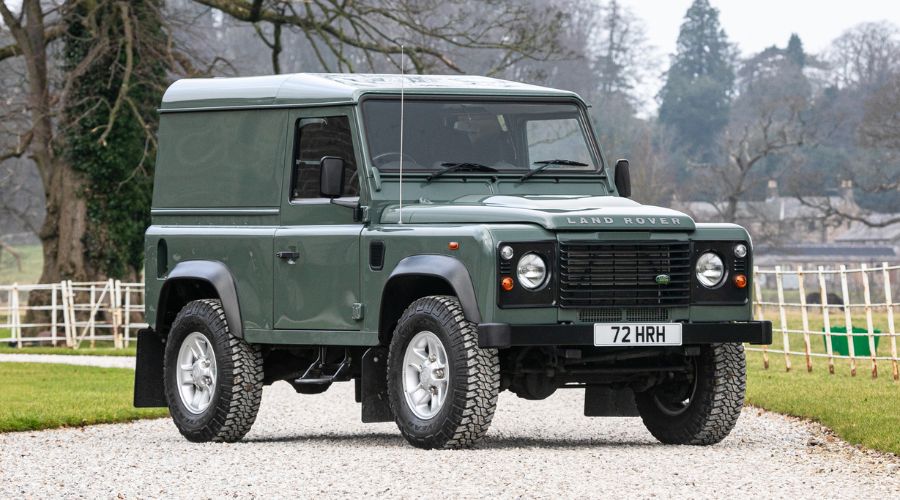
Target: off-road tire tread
{"points": [[240, 377], [473, 406], [714, 412]]}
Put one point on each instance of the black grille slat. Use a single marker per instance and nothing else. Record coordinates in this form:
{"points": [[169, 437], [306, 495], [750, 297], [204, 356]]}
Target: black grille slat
{"points": [[622, 274], [613, 315]]}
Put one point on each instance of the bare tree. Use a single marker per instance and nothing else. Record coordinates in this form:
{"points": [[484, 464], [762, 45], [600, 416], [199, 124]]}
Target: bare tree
{"points": [[621, 54], [768, 120], [866, 105], [865, 56], [773, 128], [875, 171], [343, 36], [346, 36], [652, 169]]}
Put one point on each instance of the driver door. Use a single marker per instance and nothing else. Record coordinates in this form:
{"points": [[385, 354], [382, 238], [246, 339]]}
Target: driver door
{"points": [[317, 245]]}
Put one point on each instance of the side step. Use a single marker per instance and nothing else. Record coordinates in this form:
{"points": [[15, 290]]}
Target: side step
{"points": [[320, 374]]}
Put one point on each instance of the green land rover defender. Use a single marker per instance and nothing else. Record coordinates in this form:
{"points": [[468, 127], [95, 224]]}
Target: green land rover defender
{"points": [[436, 240]]}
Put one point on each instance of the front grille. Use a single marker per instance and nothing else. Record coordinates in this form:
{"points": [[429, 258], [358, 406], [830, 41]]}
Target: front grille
{"points": [[623, 274], [634, 314]]}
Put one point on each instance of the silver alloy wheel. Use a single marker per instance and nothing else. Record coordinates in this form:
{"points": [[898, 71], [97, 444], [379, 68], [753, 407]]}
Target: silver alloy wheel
{"points": [[196, 375], [425, 375]]}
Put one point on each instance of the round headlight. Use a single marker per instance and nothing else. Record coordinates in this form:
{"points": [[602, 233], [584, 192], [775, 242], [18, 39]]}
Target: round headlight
{"points": [[740, 250], [532, 271], [710, 270], [506, 252]]}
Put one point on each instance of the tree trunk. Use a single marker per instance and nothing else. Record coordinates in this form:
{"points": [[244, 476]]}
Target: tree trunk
{"points": [[62, 235]]}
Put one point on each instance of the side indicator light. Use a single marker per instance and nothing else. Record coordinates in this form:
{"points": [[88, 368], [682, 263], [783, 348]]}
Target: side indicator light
{"points": [[740, 281], [506, 283], [453, 245]]}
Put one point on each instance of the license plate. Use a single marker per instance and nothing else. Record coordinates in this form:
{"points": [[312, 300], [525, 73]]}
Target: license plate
{"points": [[637, 334]]}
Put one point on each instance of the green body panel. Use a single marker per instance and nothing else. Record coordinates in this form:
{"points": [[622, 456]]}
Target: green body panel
{"points": [[246, 251], [551, 212], [318, 289], [220, 160], [475, 252], [311, 337], [222, 193]]}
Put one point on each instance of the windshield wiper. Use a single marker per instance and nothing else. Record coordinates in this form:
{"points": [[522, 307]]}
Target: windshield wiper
{"points": [[450, 167], [547, 163]]}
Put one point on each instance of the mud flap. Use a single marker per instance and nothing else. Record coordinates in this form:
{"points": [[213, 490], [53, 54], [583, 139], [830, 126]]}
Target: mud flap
{"points": [[149, 389], [373, 386], [602, 401]]}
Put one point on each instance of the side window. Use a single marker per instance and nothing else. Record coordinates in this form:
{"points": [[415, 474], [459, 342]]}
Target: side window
{"points": [[314, 139]]}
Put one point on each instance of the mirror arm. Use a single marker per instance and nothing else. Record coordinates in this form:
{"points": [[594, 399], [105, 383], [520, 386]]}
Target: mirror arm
{"points": [[345, 203], [355, 205]]}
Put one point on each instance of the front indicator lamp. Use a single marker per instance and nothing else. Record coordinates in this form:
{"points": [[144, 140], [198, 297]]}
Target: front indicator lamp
{"points": [[507, 284], [531, 271], [740, 281], [710, 270]]}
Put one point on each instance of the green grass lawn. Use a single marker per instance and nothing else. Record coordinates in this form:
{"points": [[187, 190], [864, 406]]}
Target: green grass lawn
{"points": [[41, 396], [103, 348], [83, 351], [858, 409]]}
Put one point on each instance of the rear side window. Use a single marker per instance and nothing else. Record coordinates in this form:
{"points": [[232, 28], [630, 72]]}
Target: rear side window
{"points": [[316, 138]]}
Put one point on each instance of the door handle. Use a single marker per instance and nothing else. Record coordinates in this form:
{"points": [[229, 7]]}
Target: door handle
{"points": [[288, 254]]}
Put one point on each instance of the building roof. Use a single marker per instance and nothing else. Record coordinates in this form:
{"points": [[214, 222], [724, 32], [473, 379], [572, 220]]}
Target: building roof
{"points": [[831, 250], [827, 253], [862, 233], [333, 88]]}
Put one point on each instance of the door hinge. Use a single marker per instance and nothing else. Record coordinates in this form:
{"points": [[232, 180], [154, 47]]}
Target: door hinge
{"points": [[358, 311]]}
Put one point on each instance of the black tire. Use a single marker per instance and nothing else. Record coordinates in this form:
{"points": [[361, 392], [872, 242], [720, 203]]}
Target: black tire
{"points": [[473, 379], [238, 391], [715, 398]]}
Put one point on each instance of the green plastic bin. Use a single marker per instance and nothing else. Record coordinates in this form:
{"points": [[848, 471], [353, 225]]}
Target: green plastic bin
{"points": [[860, 344]]}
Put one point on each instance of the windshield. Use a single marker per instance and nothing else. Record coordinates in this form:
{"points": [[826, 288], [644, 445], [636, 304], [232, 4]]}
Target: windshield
{"points": [[510, 137]]}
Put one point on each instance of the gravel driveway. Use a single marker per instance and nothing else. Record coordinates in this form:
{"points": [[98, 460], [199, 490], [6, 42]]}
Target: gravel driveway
{"points": [[304, 446]]}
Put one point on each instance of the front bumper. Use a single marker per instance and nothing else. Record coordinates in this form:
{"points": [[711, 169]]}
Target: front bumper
{"points": [[503, 335]]}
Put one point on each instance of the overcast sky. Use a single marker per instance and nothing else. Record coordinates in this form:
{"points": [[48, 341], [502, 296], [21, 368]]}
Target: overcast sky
{"points": [[756, 24]]}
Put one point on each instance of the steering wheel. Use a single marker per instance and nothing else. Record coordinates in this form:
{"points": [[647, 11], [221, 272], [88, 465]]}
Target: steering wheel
{"points": [[383, 158]]}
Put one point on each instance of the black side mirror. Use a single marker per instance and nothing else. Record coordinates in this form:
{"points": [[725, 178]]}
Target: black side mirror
{"points": [[623, 178], [331, 177]]}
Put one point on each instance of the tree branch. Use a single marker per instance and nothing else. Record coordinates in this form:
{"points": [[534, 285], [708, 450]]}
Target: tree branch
{"points": [[126, 74]]}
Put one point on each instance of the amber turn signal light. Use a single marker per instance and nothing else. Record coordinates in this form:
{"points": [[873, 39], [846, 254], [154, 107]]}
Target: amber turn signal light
{"points": [[740, 281], [453, 245], [506, 283]]}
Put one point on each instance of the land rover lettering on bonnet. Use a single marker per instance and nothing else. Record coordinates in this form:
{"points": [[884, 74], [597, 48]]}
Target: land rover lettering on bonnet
{"points": [[663, 221], [433, 240]]}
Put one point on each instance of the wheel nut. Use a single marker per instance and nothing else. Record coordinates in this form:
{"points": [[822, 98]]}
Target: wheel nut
{"points": [[439, 373], [432, 358], [433, 390]]}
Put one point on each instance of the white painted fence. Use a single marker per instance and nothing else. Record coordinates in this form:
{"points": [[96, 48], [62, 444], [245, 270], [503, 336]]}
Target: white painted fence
{"points": [[863, 297], [100, 311], [863, 304]]}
